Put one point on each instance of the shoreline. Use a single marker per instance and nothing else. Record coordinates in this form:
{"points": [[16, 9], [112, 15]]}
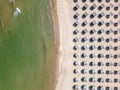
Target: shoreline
{"points": [[56, 41], [64, 22]]}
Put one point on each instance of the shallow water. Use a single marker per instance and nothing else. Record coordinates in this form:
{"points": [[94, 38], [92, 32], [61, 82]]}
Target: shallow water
{"points": [[27, 48]]}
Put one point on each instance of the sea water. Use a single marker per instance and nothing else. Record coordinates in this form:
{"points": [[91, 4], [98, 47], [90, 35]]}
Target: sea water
{"points": [[27, 48]]}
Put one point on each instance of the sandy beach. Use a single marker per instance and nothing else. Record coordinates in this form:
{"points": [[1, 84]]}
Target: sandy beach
{"points": [[65, 21], [65, 75]]}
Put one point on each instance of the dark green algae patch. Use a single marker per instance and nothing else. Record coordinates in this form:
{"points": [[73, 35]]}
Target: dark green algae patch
{"points": [[27, 48]]}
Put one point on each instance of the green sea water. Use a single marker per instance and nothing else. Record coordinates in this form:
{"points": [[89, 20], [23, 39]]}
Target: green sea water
{"points": [[27, 49]]}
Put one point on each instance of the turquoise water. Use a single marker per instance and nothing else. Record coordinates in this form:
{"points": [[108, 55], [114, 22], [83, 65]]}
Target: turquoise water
{"points": [[27, 48]]}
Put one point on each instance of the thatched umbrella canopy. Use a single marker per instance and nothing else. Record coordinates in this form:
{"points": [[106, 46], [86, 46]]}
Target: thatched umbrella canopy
{"points": [[76, 31], [76, 39], [76, 79], [76, 87], [83, 79], [75, 63], [92, 71], [83, 63], [102, 88], [83, 71], [92, 79], [75, 55], [83, 87], [75, 1], [75, 71], [92, 87], [100, 80], [92, 64], [75, 47]]}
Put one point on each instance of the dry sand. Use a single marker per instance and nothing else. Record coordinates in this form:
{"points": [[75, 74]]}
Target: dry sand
{"points": [[65, 79], [65, 29]]}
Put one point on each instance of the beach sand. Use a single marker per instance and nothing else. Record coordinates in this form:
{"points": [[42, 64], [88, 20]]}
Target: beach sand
{"points": [[65, 21], [65, 75]]}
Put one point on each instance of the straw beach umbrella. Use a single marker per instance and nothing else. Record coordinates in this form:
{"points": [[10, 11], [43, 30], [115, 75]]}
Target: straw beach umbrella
{"points": [[75, 31], [75, 1], [76, 79], [83, 87], [76, 7], [83, 71], [92, 87], [76, 87], [83, 79], [75, 47], [76, 23], [75, 63], [76, 39], [75, 55], [76, 15], [92, 79], [75, 71], [100, 80]]}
